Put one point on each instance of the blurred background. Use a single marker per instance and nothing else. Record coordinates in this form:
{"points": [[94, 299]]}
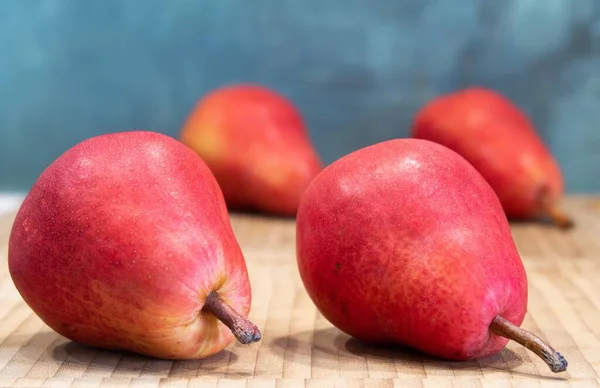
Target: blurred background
{"points": [[357, 69]]}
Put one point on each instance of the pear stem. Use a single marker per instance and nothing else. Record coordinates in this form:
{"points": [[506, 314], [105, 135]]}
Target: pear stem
{"points": [[554, 359], [559, 218], [245, 331]]}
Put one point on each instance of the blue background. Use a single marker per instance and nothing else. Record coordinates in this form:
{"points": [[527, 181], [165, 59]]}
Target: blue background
{"points": [[357, 69]]}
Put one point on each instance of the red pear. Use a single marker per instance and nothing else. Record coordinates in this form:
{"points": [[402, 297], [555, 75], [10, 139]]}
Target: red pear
{"points": [[496, 137], [256, 144], [403, 242], [124, 242]]}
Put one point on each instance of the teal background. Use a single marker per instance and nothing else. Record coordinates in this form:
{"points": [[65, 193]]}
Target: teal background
{"points": [[357, 69]]}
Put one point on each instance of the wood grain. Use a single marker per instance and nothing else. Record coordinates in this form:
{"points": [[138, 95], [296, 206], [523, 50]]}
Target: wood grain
{"points": [[301, 349]]}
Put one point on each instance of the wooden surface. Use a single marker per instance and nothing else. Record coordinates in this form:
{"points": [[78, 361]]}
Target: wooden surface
{"points": [[300, 349]]}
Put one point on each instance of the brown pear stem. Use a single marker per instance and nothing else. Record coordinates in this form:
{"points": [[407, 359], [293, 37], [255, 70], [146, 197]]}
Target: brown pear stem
{"points": [[245, 331], [554, 359], [559, 218]]}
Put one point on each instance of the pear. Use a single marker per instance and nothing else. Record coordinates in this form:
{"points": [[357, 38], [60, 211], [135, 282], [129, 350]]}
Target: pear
{"points": [[404, 243], [256, 144], [124, 242], [496, 137]]}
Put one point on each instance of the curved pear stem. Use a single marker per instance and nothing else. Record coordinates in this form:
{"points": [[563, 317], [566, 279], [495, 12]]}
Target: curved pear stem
{"points": [[245, 331], [559, 218], [554, 359]]}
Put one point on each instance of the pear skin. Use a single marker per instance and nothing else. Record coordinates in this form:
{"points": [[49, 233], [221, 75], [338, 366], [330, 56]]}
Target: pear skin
{"points": [[256, 144], [496, 137], [124, 242], [404, 242]]}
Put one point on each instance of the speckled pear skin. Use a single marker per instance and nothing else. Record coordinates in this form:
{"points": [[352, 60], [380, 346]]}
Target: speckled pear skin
{"points": [[404, 242], [120, 241]]}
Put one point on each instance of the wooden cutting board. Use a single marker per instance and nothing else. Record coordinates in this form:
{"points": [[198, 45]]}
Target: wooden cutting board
{"points": [[301, 349]]}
